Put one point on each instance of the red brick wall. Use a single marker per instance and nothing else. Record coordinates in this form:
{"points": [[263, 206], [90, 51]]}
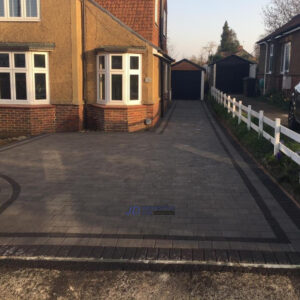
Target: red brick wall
{"points": [[26, 120], [17, 120], [122, 118], [69, 118]]}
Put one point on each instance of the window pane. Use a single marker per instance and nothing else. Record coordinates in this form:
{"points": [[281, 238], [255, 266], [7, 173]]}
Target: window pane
{"points": [[102, 87], [117, 62], [287, 57], [15, 8], [5, 86], [20, 61], [39, 61], [117, 87], [101, 63], [21, 90], [40, 87], [4, 60], [1, 8], [134, 63], [134, 87], [31, 8]]}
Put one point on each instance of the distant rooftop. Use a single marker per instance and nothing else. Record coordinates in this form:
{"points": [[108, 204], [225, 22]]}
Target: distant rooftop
{"points": [[294, 23]]}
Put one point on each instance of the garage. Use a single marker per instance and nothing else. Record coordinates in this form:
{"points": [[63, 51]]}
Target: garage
{"points": [[230, 72], [187, 81]]}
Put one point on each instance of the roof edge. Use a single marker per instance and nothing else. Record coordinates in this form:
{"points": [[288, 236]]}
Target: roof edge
{"points": [[241, 58], [190, 62]]}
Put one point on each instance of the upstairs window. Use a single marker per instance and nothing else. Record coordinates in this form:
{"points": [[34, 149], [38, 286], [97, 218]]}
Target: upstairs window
{"points": [[271, 59], [286, 58], [19, 10], [24, 78], [156, 11], [165, 28], [119, 79]]}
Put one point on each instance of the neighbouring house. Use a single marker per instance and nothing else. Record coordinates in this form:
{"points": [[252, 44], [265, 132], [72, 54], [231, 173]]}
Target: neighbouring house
{"points": [[279, 63], [187, 81], [66, 65], [228, 74]]}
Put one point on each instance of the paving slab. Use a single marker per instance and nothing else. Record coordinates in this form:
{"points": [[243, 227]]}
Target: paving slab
{"points": [[186, 186]]}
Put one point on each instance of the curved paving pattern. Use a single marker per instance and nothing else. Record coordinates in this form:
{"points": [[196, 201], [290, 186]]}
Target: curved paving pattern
{"points": [[77, 189]]}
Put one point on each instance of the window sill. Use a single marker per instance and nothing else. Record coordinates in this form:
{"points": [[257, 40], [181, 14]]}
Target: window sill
{"points": [[19, 19], [33, 106], [117, 106]]}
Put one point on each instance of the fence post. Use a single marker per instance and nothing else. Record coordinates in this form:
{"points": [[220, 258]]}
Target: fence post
{"points": [[261, 122], [240, 112], [277, 136], [233, 107], [224, 100], [249, 117], [228, 104], [221, 98]]}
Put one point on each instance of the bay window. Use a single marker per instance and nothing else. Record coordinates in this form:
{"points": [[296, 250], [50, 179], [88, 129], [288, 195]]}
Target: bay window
{"points": [[119, 79], [24, 78], [19, 10]]}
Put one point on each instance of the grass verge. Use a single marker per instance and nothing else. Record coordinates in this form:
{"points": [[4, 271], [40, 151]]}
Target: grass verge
{"points": [[282, 168]]}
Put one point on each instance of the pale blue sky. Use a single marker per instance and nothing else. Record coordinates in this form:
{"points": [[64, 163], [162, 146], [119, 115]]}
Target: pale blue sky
{"points": [[194, 23]]}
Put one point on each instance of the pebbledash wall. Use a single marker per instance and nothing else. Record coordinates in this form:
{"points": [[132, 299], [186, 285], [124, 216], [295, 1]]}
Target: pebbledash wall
{"points": [[104, 31], [65, 110]]}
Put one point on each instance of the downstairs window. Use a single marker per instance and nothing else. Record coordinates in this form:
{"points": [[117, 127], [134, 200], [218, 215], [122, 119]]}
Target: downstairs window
{"points": [[24, 78], [119, 79]]}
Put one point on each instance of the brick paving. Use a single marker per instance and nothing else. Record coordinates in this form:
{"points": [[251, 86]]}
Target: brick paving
{"points": [[67, 195]]}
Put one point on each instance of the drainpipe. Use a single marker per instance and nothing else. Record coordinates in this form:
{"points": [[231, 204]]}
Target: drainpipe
{"points": [[83, 63], [266, 64], [161, 61]]}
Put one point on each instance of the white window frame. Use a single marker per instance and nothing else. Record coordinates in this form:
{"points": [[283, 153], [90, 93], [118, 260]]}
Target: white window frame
{"points": [[156, 12], [125, 72], [286, 47], [23, 17], [165, 24], [271, 59], [30, 71]]}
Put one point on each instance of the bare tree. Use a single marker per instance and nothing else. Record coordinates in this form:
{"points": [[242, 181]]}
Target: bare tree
{"points": [[199, 60], [279, 12], [210, 48]]}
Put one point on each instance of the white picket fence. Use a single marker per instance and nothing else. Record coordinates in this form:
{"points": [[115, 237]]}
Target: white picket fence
{"points": [[237, 109]]}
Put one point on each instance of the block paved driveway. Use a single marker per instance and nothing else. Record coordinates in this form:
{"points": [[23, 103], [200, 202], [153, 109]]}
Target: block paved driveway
{"points": [[74, 189]]}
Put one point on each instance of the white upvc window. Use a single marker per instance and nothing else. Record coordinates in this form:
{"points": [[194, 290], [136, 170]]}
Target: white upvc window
{"points": [[271, 59], [19, 10], [119, 79], [156, 11], [24, 78], [286, 58], [165, 24]]}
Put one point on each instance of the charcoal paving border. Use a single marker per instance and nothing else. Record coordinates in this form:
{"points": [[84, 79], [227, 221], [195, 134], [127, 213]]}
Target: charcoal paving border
{"points": [[148, 255]]}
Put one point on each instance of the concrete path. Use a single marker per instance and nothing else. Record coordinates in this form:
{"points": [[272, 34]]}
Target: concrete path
{"points": [[183, 192]]}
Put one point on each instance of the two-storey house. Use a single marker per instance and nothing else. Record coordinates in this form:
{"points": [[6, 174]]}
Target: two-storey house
{"points": [[70, 64], [279, 62]]}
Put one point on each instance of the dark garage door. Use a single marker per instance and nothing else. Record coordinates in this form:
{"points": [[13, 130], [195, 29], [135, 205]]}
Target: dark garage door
{"points": [[230, 77], [186, 85]]}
